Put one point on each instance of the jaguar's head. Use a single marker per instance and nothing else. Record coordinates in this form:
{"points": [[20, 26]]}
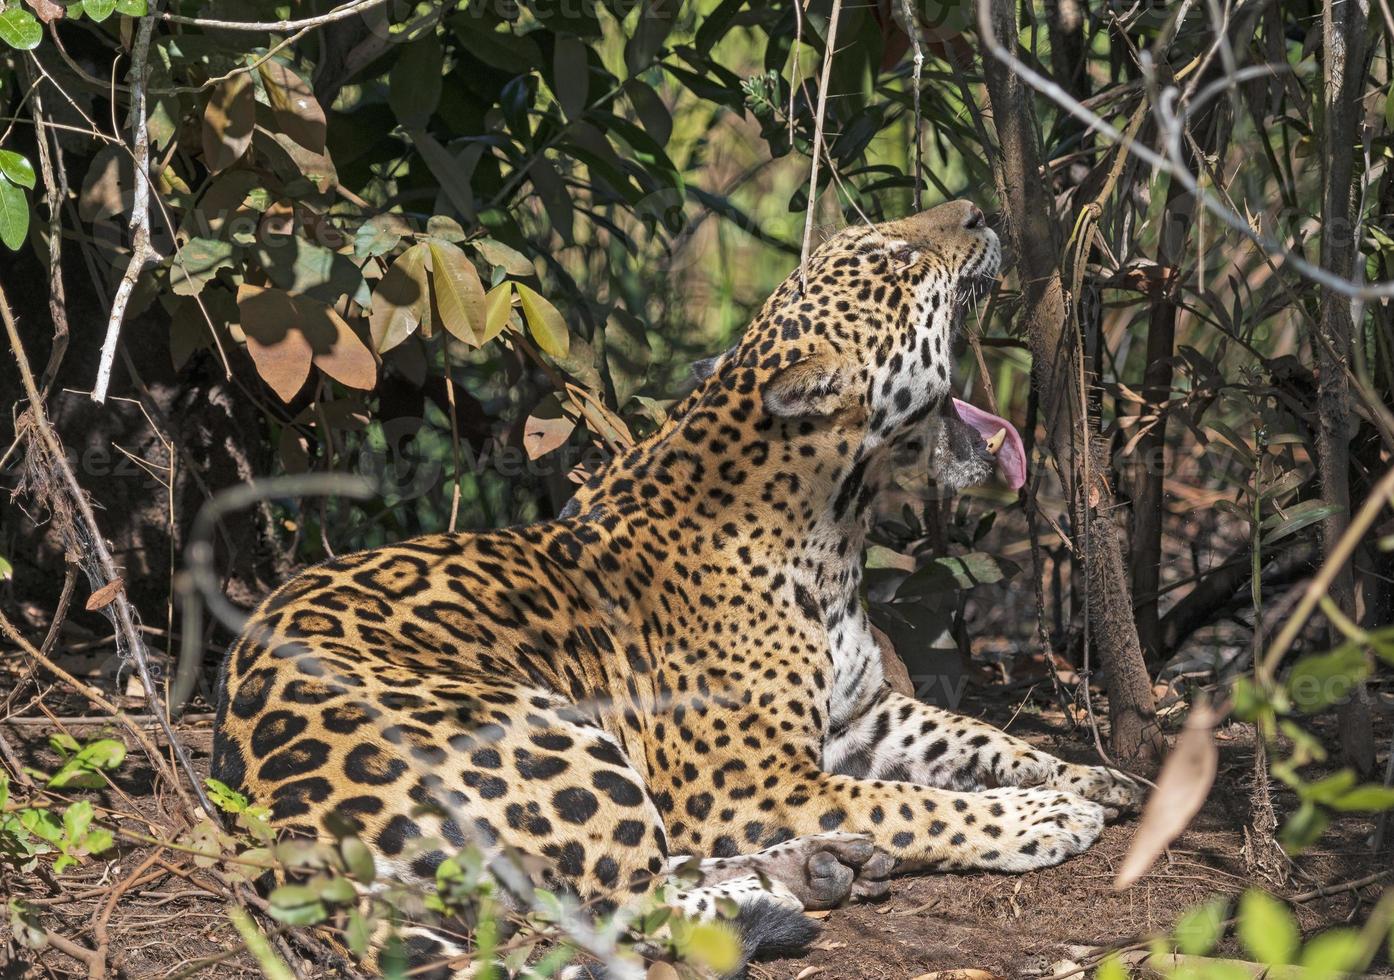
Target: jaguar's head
{"points": [[868, 341]]}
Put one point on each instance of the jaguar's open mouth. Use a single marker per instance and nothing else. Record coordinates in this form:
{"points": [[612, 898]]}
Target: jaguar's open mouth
{"points": [[1001, 440]]}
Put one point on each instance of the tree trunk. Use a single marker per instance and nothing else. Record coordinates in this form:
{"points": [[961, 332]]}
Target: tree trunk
{"points": [[1057, 371], [1344, 29], [1151, 447]]}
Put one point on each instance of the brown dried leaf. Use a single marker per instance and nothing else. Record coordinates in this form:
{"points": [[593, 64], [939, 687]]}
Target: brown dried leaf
{"points": [[293, 104], [106, 595], [546, 428], [402, 301], [109, 185], [286, 334], [228, 122], [46, 10], [282, 355], [338, 351], [1181, 790]]}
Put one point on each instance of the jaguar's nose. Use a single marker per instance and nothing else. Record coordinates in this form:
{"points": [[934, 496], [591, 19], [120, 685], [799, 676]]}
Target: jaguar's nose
{"points": [[976, 218]]}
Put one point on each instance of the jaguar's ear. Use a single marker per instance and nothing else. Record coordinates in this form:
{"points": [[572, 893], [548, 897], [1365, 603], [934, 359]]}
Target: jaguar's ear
{"points": [[815, 386], [707, 366]]}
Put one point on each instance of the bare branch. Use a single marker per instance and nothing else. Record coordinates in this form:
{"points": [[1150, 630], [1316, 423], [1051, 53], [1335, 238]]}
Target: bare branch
{"points": [[338, 13], [830, 49], [140, 209]]}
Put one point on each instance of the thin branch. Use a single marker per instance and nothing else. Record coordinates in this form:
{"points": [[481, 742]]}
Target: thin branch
{"points": [[278, 26], [818, 142], [140, 208], [56, 188], [912, 31]]}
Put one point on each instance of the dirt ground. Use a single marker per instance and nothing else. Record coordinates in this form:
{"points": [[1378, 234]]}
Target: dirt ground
{"points": [[169, 915]]}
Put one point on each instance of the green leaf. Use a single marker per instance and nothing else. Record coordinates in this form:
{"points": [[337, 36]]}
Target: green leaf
{"points": [[458, 293], [713, 945], [496, 253], [414, 85], [379, 235], [132, 8], [1303, 828], [304, 268], [1111, 969], [358, 933], [76, 819], [42, 824], [104, 753], [955, 573], [98, 10], [20, 29], [14, 212], [1295, 518], [19, 170], [570, 75], [297, 905], [446, 228], [627, 353], [224, 797], [1267, 928], [338, 891], [1200, 929], [98, 840], [1334, 953], [192, 267], [1323, 679], [358, 858], [547, 326], [1369, 798], [498, 305]]}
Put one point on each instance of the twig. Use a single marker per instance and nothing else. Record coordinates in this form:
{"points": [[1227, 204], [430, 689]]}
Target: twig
{"points": [[278, 26], [818, 142], [56, 188], [912, 31], [96, 970], [79, 720], [1323, 891], [60, 612], [120, 610], [140, 207], [15, 765]]}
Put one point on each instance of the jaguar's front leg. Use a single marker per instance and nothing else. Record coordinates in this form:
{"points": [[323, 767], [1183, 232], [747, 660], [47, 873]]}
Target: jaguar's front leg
{"points": [[899, 738]]}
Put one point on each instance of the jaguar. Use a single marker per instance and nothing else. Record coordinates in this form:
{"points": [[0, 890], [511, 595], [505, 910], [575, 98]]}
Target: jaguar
{"points": [[679, 670]]}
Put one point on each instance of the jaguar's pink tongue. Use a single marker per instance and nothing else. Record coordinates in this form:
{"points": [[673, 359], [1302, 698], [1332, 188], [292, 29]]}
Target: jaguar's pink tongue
{"points": [[1001, 437]]}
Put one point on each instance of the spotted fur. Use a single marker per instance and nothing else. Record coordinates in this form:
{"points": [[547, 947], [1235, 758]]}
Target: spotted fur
{"points": [[683, 667]]}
